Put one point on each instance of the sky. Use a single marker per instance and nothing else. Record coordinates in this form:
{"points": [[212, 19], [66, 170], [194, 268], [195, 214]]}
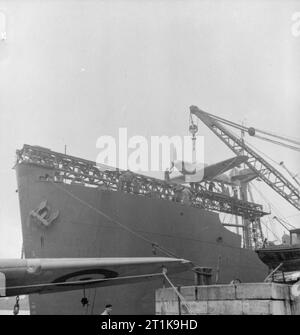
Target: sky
{"points": [[72, 71]]}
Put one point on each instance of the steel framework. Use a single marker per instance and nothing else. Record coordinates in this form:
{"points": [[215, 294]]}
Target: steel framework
{"points": [[68, 169], [255, 162]]}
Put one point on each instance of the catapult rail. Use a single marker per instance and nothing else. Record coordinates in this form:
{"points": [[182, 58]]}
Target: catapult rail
{"points": [[68, 169]]}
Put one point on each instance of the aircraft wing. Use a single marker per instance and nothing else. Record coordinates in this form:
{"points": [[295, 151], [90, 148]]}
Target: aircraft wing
{"points": [[209, 171], [245, 175], [195, 178], [212, 171], [48, 275], [178, 179]]}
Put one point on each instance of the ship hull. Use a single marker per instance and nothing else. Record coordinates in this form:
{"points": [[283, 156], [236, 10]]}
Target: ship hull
{"points": [[93, 222], [288, 257]]}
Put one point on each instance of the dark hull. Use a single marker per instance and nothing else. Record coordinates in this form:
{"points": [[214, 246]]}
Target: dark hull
{"points": [[79, 231]]}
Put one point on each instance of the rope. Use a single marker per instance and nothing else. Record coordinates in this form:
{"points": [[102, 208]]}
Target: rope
{"points": [[270, 274], [94, 281], [286, 222], [267, 202], [283, 225], [276, 210], [291, 216], [177, 292], [275, 235], [230, 123], [82, 282], [94, 299], [242, 127], [274, 207], [88, 299], [278, 143], [267, 156], [153, 244], [278, 136], [255, 148]]}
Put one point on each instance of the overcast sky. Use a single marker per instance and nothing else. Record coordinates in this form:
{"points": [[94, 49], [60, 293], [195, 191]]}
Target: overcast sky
{"points": [[71, 71]]}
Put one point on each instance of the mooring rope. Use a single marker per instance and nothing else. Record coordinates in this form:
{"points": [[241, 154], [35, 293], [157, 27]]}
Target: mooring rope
{"points": [[83, 282], [181, 297], [153, 244], [94, 281]]}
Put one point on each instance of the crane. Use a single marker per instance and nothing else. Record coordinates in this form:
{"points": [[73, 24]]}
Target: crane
{"points": [[290, 173], [256, 163]]}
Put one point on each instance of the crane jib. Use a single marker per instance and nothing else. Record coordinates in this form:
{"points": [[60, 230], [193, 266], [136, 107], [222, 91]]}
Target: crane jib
{"points": [[256, 163]]}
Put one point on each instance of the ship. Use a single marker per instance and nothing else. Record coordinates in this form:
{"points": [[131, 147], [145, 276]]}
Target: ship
{"points": [[284, 257], [72, 207]]}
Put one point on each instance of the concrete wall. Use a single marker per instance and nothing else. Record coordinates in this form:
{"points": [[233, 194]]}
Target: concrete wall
{"points": [[253, 298]]}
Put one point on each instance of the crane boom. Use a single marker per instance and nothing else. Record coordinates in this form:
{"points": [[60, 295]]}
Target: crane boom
{"points": [[255, 162]]}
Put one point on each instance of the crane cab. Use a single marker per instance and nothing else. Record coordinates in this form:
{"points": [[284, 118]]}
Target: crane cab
{"points": [[295, 236]]}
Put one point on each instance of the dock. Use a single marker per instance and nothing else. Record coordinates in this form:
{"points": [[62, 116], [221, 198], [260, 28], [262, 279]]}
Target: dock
{"points": [[232, 299]]}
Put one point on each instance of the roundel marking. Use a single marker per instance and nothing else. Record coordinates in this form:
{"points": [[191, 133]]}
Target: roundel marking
{"points": [[83, 275]]}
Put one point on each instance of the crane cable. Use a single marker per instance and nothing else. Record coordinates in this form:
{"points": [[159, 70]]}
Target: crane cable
{"points": [[278, 143], [261, 152], [267, 156], [274, 207], [278, 136], [279, 220], [275, 235], [241, 127], [267, 228]]}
